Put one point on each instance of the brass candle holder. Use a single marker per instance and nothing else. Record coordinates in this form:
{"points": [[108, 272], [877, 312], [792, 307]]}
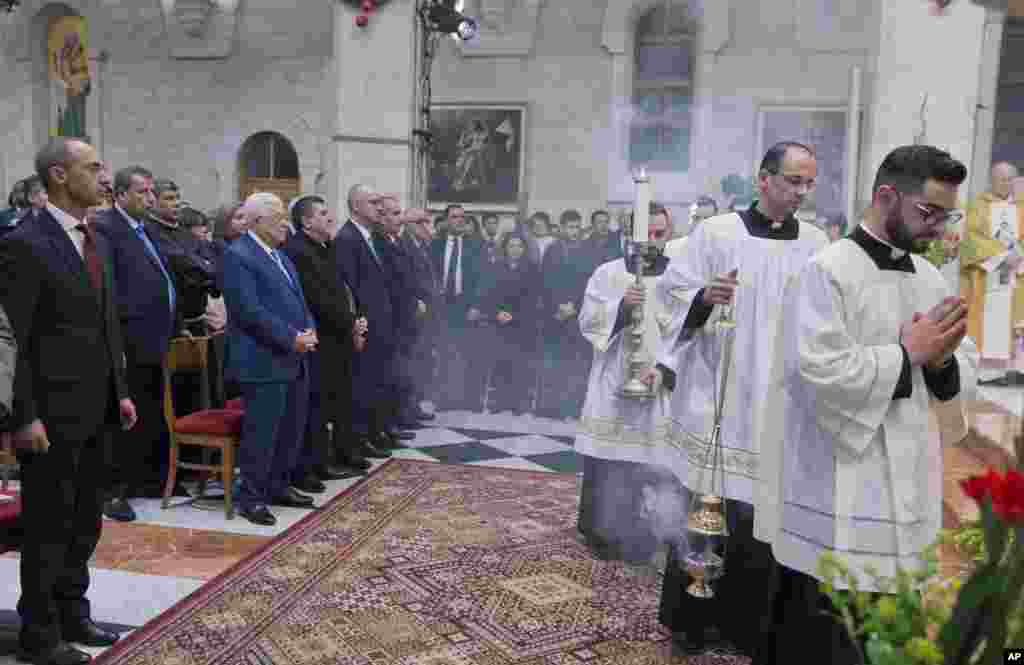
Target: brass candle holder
{"points": [[639, 359], [708, 516]]}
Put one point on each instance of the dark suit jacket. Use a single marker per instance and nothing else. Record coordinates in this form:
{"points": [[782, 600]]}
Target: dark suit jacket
{"points": [[405, 288], [472, 253], [565, 273], [370, 286], [144, 310], [329, 305], [70, 368], [265, 313]]}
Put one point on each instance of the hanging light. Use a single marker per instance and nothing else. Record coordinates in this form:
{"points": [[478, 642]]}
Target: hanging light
{"points": [[444, 16], [9, 5]]}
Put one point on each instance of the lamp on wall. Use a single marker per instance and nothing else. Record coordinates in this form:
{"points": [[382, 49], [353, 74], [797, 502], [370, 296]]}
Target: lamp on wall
{"points": [[9, 5], [443, 16]]}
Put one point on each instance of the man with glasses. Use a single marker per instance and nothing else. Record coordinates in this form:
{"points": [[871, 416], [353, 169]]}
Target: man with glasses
{"points": [[851, 461], [991, 259], [760, 248]]}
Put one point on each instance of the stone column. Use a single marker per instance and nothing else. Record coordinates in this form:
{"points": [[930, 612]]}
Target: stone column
{"points": [[926, 81], [375, 88]]}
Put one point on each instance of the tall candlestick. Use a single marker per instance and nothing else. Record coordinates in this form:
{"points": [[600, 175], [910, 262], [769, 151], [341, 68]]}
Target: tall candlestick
{"points": [[641, 206]]}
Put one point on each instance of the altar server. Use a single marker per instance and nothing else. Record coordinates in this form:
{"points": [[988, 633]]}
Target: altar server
{"points": [[866, 344], [621, 438], [748, 254]]}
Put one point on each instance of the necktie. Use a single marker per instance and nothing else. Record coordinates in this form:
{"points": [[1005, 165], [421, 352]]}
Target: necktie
{"points": [[280, 264], [144, 237], [91, 257], [373, 250], [453, 268]]}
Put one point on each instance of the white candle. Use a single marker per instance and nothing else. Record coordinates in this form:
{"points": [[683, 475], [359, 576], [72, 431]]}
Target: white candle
{"points": [[641, 206]]}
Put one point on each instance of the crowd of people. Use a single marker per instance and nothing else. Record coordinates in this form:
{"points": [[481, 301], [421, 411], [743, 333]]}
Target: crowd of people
{"points": [[333, 335]]}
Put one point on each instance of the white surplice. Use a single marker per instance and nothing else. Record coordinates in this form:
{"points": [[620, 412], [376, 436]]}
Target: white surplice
{"points": [[613, 427], [848, 469], [717, 246]]}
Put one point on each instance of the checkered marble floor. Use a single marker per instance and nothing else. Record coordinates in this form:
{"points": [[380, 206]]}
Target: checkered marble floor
{"points": [[143, 568]]}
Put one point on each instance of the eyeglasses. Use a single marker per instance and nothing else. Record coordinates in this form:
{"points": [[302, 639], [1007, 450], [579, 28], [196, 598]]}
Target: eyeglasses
{"points": [[934, 215]]}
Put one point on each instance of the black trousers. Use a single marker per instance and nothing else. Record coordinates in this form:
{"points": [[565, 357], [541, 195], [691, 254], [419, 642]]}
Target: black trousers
{"points": [[139, 457], [62, 500], [743, 609], [808, 630]]}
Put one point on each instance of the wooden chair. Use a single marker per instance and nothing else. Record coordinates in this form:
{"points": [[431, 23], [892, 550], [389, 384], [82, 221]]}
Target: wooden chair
{"points": [[209, 429]]}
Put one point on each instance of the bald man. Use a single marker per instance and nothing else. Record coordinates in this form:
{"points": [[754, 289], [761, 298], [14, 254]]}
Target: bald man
{"points": [[990, 271]]}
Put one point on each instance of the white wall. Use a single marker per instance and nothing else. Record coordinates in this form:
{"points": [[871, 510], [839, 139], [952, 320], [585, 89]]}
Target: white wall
{"points": [[771, 55]]}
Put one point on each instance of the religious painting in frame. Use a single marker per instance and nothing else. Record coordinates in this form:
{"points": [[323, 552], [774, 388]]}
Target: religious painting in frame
{"points": [[823, 128], [478, 156]]}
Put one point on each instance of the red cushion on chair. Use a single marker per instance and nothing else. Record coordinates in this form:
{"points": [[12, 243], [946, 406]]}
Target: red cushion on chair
{"points": [[219, 422], [10, 510], [237, 404]]}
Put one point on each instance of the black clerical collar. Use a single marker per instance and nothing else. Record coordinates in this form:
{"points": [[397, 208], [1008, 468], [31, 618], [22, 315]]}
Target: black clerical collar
{"points": [[657, 269], [759, 226], [885, 256]]}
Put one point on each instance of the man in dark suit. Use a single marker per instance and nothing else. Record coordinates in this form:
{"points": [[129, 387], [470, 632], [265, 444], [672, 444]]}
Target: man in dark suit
{"points": [[364, 269], [56, 286], [408, 296], [566, 269], [146, 305], [457, 261], [417, 234], [270, 334], [605, 245], [339, 331]]}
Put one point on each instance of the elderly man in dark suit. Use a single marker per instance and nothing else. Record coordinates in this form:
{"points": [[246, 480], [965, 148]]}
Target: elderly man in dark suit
{"points": [[146, 307], [340, 333], [270, 334], [417, 234], [56, 286], [364, 269]]}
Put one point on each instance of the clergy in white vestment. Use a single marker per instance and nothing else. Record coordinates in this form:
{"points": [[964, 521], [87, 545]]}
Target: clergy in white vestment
{"points": [[852, 460], [628, 505], [749, 254]]}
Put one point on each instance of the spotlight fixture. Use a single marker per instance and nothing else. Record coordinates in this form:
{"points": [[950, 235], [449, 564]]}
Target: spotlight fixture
{"points": [[9, 5], [443, 17]]}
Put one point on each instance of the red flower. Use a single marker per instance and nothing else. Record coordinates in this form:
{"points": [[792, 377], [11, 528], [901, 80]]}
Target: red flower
{"points": [[979, 487], [1008, 497]]}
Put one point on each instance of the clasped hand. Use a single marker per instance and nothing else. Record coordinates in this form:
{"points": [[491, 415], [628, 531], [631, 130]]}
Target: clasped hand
{"points": [[931, 338], [306, 341], [503, 317]]}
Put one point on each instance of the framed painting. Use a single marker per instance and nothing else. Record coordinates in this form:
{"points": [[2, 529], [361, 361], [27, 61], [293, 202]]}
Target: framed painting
{"points": [[824, 129], [477, 156]]}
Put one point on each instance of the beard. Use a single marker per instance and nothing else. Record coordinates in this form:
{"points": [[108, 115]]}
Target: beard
{"points": [[900, 236]]}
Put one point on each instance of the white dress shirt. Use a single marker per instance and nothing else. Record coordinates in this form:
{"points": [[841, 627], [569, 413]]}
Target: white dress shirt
{"points": [[68, 223], [448, 248]]}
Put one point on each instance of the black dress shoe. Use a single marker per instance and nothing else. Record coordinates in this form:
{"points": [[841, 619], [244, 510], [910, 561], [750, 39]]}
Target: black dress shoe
{"points": [[354, 461], [259, 515], [423, 415], [402, 435], [386, 441], [60, 654], [119, 509], [87, 633], [293, 499], [370, 450], [331, 472], [311, 484], [410, 424]]}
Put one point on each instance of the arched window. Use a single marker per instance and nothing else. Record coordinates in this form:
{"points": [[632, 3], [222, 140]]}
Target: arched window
{"points": [[660, 130], [268, 163]]}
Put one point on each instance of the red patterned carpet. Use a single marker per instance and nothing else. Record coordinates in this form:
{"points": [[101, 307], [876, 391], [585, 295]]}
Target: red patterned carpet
{"points": [[422, 564]]}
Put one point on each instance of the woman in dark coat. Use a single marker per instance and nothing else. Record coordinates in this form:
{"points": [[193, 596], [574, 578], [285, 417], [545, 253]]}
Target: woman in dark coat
{"points": [[508, 301]]}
